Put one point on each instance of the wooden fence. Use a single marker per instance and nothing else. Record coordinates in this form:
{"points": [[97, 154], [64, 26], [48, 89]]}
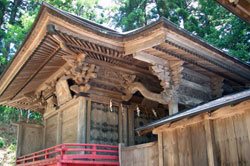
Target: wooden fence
{"points": [[220, 138], [140, 155]]}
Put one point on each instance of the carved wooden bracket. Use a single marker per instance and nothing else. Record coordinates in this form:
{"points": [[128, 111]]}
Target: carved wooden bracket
{"points": [[169, 75], [126, 83], [80, 72], [37, 99]]}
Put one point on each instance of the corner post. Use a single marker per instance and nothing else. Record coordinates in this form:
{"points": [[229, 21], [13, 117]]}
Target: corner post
{"points": [[59, 128], [19, 140], [82, 120]]}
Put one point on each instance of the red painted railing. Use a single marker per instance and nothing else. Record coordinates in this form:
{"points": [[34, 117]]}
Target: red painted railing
{"points": [[72, 154]]}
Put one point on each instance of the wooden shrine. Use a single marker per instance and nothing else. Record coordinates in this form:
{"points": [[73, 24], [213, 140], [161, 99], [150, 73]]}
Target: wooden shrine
{"points": [[95, 85]]}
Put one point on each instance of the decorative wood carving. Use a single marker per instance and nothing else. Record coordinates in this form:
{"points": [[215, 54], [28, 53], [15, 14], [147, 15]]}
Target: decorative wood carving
{"points": [[62, 92], [37, 99], [51, 102], [80, 72], [169, 75], [127, 83]]}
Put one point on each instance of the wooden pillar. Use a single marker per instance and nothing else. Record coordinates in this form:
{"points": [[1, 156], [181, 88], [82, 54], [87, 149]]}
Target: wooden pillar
{"points": [[121, 145], [210, 143], [160, 149], [131, 128], [120, 125], [88, 120], [59, 128], [125, 125], [19, 140], [82, 120], [44, 132], [173, 108]]}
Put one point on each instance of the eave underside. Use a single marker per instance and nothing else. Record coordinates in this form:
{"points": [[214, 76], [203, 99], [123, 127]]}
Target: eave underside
{"points": [[240, 8]]}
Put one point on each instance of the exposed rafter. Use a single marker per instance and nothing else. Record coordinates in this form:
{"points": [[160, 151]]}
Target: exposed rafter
{"points": [[159, 48]]}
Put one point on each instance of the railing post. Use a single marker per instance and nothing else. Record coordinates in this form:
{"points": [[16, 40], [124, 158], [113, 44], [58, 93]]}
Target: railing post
{"points": [[46, 154], [62, 151], [94, 150], [34, 157]]}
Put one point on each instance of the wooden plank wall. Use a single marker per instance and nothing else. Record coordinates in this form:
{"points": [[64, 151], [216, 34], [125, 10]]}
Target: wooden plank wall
{"points": [[60, 126], [221, 138], [51, 131], [69, 124], [140, 155], [185, 146], [31, 139]]}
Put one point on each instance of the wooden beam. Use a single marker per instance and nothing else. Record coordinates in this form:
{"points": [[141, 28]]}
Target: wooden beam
{"points": [[211, 151], [149, 58], [146, 42], [193, 85]]}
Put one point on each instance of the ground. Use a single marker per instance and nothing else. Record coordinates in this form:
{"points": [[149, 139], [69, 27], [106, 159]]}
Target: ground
{"points": [[7, 144]]}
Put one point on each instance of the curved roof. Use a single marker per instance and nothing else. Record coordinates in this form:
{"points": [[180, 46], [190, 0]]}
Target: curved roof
{"points": [[40, 55]]}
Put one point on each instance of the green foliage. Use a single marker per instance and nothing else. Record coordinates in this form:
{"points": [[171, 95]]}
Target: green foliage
{"points": [[7, 114], [12, 148], [2, 143], [11, 114]]}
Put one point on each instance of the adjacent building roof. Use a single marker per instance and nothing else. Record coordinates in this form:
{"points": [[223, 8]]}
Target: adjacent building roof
{"points": [[240, 8], [210, 106]]}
